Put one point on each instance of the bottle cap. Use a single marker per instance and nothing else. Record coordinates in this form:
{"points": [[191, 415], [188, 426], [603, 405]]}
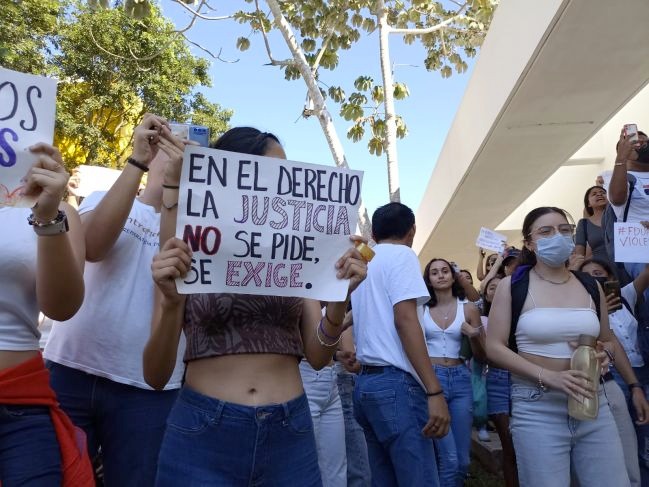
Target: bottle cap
{"points": [[366, 252], [587, 340]]}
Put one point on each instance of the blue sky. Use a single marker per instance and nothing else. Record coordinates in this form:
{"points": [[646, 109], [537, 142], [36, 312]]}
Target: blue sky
{"points": [[261, 97]]}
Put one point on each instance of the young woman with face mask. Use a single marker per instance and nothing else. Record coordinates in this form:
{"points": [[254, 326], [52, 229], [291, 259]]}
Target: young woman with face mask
{"points": [[557, 309], [447, 318]]}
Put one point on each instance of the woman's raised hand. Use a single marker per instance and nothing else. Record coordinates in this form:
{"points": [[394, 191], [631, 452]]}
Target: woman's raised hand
{"points": [[46, 181], [352, 266], [173, 261]]}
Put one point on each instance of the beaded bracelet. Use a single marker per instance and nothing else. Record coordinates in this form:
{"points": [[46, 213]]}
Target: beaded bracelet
{"points": [[320, 330]]}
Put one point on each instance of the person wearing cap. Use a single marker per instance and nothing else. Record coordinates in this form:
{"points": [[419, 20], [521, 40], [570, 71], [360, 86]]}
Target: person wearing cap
{"points": [[510, 260]]}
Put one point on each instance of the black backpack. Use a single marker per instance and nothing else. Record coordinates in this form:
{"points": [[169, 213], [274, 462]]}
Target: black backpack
{"points": [[521, 283]]}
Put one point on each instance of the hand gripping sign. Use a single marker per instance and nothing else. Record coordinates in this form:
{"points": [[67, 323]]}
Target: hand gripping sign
{"points": [[259, 225], [27, 107]]}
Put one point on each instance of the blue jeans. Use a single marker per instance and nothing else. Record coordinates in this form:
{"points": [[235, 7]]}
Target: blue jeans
{"points": [[392, 409], [209, 442], [358, 464], [29, 450], [454, 450], [550, 444], [498, 391], [321, 390], [125, 421]]}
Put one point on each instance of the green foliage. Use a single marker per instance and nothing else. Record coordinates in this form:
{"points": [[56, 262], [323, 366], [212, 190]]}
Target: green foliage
{"points": [[25, 27], [326, 28]]}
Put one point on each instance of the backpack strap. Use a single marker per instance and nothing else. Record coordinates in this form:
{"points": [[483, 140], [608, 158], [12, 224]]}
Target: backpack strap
{"points": [[591, 286], [632, 180], [520, 285], [627, 305]]}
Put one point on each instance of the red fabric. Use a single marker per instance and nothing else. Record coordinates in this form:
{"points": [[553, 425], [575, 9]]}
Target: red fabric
{"points": [[28, 384]]}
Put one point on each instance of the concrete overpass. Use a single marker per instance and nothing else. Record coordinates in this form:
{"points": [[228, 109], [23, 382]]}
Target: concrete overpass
{"points": [[554, 83]]}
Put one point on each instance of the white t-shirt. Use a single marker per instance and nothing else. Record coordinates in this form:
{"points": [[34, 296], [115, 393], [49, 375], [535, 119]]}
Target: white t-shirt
{"points": [[625, 326], [108, 334], [393, 276], [639, 208]]}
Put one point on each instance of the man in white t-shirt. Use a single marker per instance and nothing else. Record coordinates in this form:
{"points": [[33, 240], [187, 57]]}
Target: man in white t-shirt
{"points": [[95, 358], [632, 160], [397, 398]]}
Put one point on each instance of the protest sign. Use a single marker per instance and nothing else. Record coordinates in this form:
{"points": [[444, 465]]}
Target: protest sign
{"points": [[490, 240], [27, 107], [259, 225], [93, 178], [631, 242]]}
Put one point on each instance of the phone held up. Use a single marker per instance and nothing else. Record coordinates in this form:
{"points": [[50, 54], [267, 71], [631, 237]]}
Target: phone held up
{"points": [[613, 287], [197, 133], [631, 132]]}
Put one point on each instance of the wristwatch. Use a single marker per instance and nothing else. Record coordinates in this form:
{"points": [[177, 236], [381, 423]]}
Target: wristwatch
{"points": [[55, 227]]}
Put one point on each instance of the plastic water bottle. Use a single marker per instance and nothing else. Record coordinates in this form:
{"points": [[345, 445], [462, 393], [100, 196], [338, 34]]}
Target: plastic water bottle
{"points": [[584, 359]]}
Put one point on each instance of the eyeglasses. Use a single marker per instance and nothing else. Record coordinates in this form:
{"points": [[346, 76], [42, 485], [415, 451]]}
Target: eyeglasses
{"points": [[565, 229]]}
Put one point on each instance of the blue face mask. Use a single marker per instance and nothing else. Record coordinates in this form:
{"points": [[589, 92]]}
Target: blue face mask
{"points": [[554, 251]]}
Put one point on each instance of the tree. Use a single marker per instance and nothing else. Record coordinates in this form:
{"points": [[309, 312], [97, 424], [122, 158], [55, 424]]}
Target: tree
{"points": [[449, 35], [113, 69], [24, 29]]}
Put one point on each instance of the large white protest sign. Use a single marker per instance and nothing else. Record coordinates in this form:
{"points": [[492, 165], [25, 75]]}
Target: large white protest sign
{"points": [[631, 242], [490, 240], [27, 107], [259, 225]]}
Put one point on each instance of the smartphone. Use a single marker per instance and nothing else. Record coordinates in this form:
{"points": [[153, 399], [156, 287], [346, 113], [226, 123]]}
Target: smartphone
{"points": [[197, 133], [613, 287], [631, 132]]}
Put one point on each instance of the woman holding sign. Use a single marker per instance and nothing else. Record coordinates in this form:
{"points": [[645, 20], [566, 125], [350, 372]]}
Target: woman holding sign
{"points": [[41, 265], [242, 415]]}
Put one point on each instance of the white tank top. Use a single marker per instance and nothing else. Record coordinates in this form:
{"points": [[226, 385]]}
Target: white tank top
{"points": [[444, 343], [18, 304], [547, 331]]}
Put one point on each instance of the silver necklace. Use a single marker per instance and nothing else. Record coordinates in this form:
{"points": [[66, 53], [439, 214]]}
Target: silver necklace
{"points": [[552, 282], [448, 311]]}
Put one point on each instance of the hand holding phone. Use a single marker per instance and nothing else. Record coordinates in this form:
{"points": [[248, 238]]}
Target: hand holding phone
{"points": [[631, 132], [613, 295]]}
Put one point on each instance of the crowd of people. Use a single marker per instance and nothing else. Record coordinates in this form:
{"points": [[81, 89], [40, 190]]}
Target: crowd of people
{"points": [[139, 385]]}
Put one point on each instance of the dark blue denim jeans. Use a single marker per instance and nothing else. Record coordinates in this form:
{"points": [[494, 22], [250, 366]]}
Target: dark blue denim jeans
{"points": [[392, 408], [29, 450], [454, 450], [127, 422], [209, 442]]}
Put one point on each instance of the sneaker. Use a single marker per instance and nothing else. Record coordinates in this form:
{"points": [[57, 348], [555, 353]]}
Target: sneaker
{"points": [[483, 435]]}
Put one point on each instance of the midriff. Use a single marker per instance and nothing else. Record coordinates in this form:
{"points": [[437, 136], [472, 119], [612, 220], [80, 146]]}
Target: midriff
{"points": [[10, 358], [247, 379], [556, 364], [448, 362]]}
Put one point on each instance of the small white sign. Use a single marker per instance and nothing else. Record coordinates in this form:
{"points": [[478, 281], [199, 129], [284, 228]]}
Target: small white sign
{"points": [[490, 240], [631, 242], [265, 226], [27, 107], [93, 178]]}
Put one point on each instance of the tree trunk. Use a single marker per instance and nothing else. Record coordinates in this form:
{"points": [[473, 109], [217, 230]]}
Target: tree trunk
{"points": [[319, 106], [390, 141]]}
